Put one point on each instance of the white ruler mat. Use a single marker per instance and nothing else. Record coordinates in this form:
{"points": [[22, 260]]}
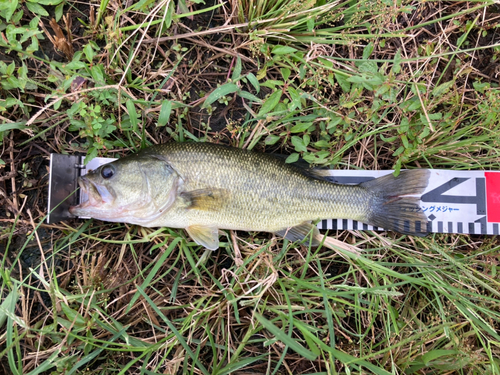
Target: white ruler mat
{"points": [[454, 201]]}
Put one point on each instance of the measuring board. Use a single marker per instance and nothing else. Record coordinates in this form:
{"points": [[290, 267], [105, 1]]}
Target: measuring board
{"points": [[454, 201]]}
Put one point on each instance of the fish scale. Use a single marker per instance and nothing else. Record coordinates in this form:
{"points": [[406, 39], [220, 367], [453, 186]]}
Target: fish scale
{"points": [[262, 192]]}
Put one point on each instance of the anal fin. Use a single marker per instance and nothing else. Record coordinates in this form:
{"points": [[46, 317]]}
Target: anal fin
{"points": [[207, 236], [301, 232]]}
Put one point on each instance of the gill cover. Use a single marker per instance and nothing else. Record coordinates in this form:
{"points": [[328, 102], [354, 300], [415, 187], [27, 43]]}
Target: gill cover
{"points": [[133, 190]]}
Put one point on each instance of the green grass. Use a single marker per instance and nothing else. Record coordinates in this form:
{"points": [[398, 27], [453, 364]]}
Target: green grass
{"points": [[359, 85]]}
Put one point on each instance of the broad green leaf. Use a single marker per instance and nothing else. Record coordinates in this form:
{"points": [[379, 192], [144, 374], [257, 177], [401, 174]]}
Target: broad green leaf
{"points": [[342, 80], [292, 158], [132, 113], [301, 127], [254, 81], [237, 70], [367, 51], [98, 74], [75, 65], [283, 50], [10, 83], [166, 109], [368, 67], [368, 81], [29, 34], [88, 51], [382, 89], [262, 73], [310, 24], [334, 121], [404, 125], [414, 104], [299, 144], [10, 68], [91, 154], [404, 139], [443, 88], [141, 5], [8, 8], [480, 86], [396, 68], [398, 151], [219, 92], [296, 101], [271, 139], [350, 104], [46, 2], [421, 87], [270, 103], [248, 96], [285, 339], [316, 158], [182, 7], [424, 133], [272, 83], [285, 72], [22, 72], [18, 15], [321, 144], [37, 9], [34, 23], [302, 71], [169, 15], [59, 11], [435, 116], [11, 32]]}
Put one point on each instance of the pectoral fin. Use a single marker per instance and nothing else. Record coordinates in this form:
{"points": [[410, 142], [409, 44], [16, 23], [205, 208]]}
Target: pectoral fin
{"points": [[204, 236], [205, 199], [301, 232]]}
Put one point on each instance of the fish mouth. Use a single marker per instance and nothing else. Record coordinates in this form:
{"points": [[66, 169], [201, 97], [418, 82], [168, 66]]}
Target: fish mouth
{"points": [[94, 199]]}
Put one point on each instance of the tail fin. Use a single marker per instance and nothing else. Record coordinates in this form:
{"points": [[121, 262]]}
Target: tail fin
{"points": [[393, 208]]}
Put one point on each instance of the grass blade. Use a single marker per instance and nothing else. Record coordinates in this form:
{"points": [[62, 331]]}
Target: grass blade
{"points": [[285, 339], [219, 92]]}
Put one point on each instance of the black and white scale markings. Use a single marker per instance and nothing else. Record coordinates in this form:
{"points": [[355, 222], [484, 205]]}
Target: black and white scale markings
{"points": [[454, 201]]}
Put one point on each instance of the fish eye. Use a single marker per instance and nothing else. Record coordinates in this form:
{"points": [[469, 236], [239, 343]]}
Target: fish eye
{"points": [[107, 171]]}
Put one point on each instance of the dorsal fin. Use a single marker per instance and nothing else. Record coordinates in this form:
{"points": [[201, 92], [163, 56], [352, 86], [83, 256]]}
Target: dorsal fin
{"points": [[302, 166]]}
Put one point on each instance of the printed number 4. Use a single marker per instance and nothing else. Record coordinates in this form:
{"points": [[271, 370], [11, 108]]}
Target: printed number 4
{"points": [[437, 195]]}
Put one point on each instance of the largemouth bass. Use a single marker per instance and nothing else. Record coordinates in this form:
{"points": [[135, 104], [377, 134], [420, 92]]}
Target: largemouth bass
{"points": [[204, 187]]}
